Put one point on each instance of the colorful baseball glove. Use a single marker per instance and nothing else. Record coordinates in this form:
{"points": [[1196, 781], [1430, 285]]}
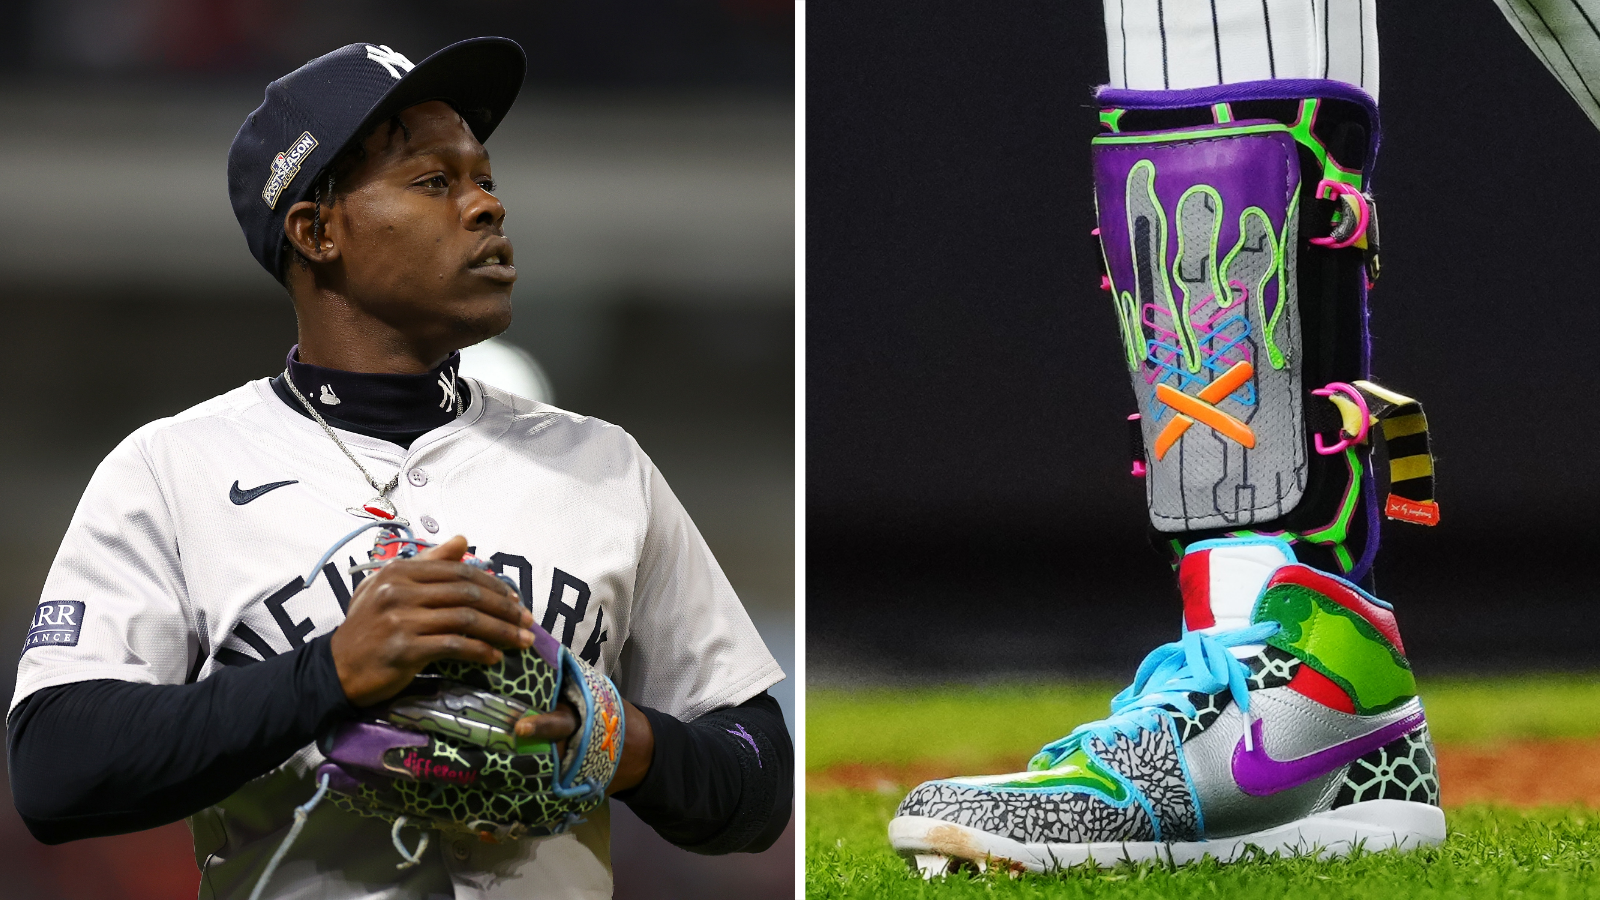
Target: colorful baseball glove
{"points": [[444, 753]]}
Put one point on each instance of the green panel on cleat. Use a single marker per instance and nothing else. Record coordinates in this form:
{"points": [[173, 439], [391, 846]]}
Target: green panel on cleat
{"points": [[1076, 770], [1340, 644]]}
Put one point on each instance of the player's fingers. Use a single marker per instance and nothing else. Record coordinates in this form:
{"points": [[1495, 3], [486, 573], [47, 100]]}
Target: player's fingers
{"points": [[444, 570], [557, 725], [429, 648], [467, 621], [473, 593], [451, 550], [457, 593], [497, 597]]}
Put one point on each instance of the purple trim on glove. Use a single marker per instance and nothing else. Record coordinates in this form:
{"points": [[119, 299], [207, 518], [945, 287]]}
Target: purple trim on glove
{"points": [[345, 781], [548, 648], [362, 744]]}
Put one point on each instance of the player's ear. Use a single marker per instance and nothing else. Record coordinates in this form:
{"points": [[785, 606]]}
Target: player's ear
{"points": [[307, 231]]}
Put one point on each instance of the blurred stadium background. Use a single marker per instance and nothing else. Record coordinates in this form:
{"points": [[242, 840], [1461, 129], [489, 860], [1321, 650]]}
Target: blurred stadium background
{"points": [[648, 169], [969, 510]]}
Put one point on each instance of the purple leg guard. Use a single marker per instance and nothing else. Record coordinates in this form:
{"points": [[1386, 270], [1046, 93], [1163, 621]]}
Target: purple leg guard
{"points": [[1239, 243]]}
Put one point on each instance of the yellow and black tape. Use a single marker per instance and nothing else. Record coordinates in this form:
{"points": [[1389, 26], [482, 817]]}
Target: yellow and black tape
{"points": [[1404, 427]]}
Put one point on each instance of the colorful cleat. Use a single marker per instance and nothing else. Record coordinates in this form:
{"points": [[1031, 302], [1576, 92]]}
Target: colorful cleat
{"points": [[1285, 720]]}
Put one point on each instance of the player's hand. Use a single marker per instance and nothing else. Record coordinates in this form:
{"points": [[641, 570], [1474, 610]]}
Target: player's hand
{"points": [[638, 743], [414, 611]]}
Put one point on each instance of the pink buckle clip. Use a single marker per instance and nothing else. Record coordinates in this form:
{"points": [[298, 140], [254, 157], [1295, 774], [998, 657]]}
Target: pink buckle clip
{"points": [[1345, 437], [1330, 190]]}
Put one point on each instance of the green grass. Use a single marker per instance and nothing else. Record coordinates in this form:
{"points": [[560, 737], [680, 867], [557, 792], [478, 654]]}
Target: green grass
{"points": [[967, 725], [1490, 853]]}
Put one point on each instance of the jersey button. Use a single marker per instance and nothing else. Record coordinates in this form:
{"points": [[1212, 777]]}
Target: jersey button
{"points": [[430, 523], [417, 477]]}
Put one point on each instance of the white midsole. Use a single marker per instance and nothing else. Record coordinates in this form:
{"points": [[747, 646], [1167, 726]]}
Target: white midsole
{"points": [[1373, 825]]}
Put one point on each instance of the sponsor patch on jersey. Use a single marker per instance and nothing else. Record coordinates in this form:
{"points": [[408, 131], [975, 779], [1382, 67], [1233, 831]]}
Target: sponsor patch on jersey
{"points": [[56, 623], [285, 166]]}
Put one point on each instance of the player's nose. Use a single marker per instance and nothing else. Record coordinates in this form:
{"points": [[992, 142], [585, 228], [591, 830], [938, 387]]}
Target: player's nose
{"points": [[484, 210]]}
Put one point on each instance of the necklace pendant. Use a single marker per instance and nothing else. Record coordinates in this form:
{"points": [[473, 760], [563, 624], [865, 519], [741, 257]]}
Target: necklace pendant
{"points": [[381, 509]]}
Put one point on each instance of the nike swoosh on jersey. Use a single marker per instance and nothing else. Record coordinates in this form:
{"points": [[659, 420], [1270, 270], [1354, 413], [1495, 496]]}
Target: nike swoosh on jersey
{"points": [[1259, 775], [241, 497]]}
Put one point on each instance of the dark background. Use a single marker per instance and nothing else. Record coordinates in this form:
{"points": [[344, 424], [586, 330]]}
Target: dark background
{"points": [[970, 514], [648, 170]]}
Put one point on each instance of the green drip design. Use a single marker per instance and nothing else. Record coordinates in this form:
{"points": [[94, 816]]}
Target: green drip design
{"points": [[1127, 313], [1126, 308], [1112, 119], [1128, 304], [1339, 644], [1256, 217], [1275, 355], [1163, 286], [1251, 214], [1208, 263]]}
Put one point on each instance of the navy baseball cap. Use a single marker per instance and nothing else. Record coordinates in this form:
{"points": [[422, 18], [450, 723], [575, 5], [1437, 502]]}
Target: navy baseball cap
{"points": [[312, 114]]}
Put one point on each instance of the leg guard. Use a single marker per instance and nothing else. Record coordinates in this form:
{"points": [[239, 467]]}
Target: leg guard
{"points": [[1240, 241]]}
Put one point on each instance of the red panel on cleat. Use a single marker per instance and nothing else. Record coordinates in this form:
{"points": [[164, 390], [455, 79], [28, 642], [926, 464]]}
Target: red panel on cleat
{"points": [[1308, 682], [1194, 582]]}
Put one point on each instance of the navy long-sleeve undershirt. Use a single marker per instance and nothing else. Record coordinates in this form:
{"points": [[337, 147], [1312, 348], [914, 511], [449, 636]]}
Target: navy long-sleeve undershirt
{"points": [[103, 757]]}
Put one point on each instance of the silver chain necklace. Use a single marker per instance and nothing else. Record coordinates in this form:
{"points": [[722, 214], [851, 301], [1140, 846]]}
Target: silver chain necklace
{"points": [[378, 507]]}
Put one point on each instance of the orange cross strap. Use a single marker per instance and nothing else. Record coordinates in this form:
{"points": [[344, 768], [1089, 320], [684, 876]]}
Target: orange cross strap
{"points": [[1202, 408]]}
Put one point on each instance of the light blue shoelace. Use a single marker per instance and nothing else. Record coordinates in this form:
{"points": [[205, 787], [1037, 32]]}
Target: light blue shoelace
{"points": [[1198, 663]]}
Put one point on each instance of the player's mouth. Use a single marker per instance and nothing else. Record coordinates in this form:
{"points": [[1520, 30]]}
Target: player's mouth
{"points": [[494, 261]]}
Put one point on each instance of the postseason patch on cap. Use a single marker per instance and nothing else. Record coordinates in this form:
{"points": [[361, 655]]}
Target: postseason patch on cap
{"points": [[55, 624], [285, 166]]}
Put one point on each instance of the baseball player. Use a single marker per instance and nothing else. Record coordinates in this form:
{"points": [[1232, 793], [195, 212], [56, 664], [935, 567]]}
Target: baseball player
{"points": [[179, 665]]}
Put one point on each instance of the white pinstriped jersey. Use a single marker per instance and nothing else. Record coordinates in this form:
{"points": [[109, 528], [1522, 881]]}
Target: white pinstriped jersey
{"points": [[163, 578]]}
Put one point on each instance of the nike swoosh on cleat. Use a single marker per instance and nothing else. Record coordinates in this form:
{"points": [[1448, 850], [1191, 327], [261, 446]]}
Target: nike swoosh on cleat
{"points": [[241, 497], [1259, 775]]}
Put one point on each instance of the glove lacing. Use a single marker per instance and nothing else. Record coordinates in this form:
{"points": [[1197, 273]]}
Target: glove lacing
{"points": [[300, 814]]}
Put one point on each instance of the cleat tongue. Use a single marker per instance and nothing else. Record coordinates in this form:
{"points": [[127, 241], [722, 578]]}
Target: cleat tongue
{"points": [[1221, 580]]}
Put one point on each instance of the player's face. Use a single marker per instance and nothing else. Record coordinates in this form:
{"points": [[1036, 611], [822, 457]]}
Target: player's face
{"points": [[422, 235]]}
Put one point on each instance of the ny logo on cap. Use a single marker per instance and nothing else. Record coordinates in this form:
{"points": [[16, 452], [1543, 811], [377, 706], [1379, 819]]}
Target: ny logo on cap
{"points": [[387, 58]]}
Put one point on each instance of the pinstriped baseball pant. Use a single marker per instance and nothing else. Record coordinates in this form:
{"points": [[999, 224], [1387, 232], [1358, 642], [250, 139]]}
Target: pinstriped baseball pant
{"points": [[1174, 44]]}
